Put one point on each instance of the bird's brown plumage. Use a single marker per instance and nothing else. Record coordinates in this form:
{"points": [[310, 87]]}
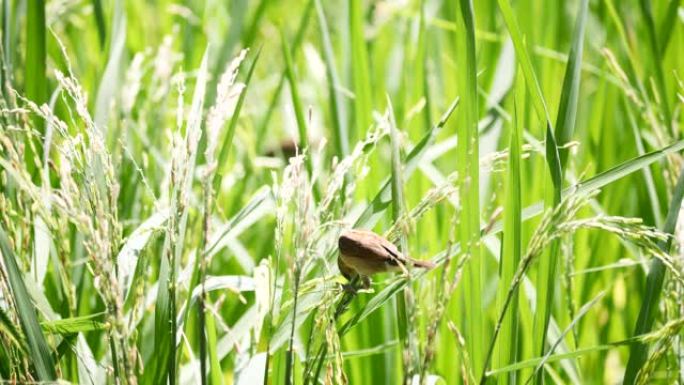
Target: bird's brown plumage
{"points": [[365, 253]]}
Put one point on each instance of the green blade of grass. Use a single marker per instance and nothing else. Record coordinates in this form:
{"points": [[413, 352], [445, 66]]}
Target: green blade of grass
{"points": [[548, 274], [127, 260], [638, 352], [512, 241], [238, 11], [405, 304], [667, 26], [39, 351], [654, 200], [567, 108], [423, 81], [156, 369], [555, 357], [75, 325], [383, 198], [657, 60], [625, 168], [250, 34], [582, 311], [110, 81], [524, 60], [35, 71], [341, 137], [363, 103], [163, 363], [602, 179], [209, 192], [36, 80], [227, 142], [6, 42], [260, 197], [297, 105], [100, 22], [633, 64], [552, 158], [215, 372], [468, 168], [297, 41], [264, 124], [193, 134], [562, 356]]}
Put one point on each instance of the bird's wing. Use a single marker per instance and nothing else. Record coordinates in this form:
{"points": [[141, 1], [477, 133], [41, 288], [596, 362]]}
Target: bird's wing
{"points": [[392, 257]]}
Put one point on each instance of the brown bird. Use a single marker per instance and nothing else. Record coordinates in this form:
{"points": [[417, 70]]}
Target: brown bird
{"points": [[365, 253]]}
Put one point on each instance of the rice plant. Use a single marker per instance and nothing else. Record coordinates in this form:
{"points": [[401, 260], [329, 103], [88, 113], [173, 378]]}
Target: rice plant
{"points": [[175, 178]]}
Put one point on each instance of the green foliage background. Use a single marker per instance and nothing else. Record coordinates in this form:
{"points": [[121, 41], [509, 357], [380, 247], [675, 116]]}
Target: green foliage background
{"points": [[174, 177]]}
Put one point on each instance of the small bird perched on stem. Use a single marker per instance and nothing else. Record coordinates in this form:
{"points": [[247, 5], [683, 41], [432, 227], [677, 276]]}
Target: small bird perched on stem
{"points": [[365, 253]]}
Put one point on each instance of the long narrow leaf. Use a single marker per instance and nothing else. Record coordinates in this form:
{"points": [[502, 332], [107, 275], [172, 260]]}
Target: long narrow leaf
{"points": [[35, 70], [341, 138], [297, 41], [667, 26], [512, 242], [35, 340], [75, 325], [227, 142], [36, 82], [100, 22], [302, 126], [657, 60], [638, 352], [406, 307], [468, 167], [363, 105], [548, 274], [110, 81]]}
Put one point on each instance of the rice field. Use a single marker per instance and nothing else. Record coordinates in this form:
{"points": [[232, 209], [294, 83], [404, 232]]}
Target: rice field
{"points": [[186, 190]]}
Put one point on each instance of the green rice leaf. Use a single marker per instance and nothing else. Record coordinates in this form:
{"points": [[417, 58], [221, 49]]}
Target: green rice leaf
{"points": [[111, 77], [657, 60], [36, 80], [215, 372], [297, 41], [75, 325], [98, 13], [667, 26], [363, 103], [548, 274], [35, 76], [341, 136], [512, 242], [638, 351], [38, 348], [468, 166], [405, 305], [227, 142], [297, 105], [382, 199]]}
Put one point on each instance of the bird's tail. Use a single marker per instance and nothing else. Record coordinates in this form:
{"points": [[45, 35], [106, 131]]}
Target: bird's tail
{"points": [[423, 264]]}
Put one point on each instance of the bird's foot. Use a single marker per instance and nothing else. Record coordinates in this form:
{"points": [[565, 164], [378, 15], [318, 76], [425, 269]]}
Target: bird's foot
{"points": [[349, 288], [354, 286], [366, 282]]}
